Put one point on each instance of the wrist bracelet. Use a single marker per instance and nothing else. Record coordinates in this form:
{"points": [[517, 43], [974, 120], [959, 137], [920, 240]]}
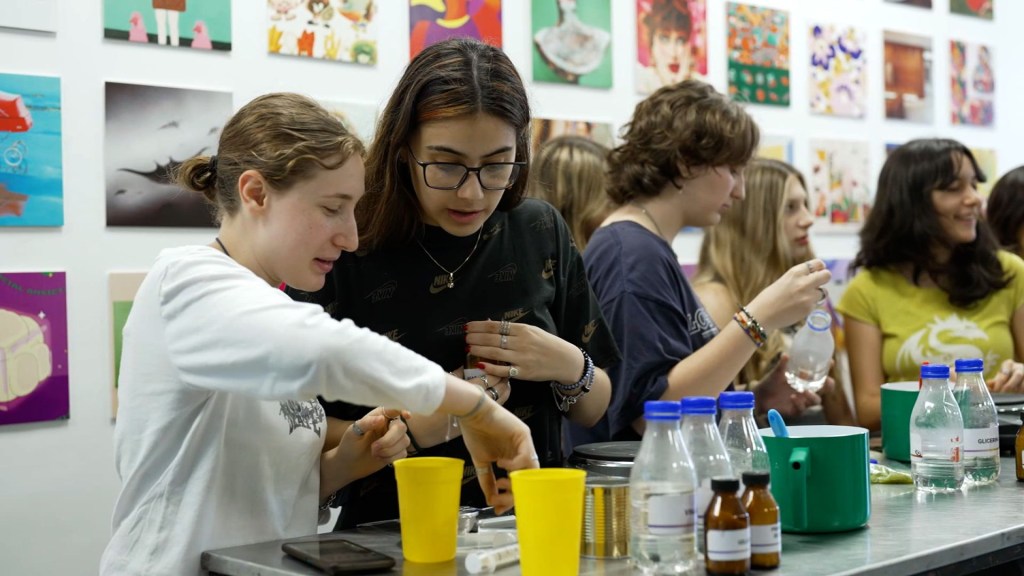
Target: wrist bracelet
{"points": [[479, 403], [565, 401], [329, 502], [412, 440], [588, 374], [751, 327]]}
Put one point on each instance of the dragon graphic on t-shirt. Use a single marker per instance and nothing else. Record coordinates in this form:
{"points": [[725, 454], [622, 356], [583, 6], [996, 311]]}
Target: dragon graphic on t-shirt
{"points": [[308, 414], [944, 340]]}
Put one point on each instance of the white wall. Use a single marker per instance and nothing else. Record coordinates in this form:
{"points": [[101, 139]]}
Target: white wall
{"points": [[57, 481]]}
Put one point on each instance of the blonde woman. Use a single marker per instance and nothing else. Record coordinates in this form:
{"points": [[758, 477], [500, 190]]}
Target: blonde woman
{"points": [[569, 173], [756, 242]]}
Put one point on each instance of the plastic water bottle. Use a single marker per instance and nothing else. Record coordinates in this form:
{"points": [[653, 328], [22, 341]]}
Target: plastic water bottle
{"points": [[700, 432], [981, 425], [661, 488], [936, 434], [743, 442], [811, 353]]}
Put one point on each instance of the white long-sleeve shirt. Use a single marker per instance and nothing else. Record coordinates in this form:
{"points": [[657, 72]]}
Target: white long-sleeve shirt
{"points": [[219, 433]]}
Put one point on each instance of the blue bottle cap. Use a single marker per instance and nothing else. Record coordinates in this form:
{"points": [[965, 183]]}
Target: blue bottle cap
{"points": [[736, 400], [698, 405], [661, 410], [970, 365], [934, 371]]}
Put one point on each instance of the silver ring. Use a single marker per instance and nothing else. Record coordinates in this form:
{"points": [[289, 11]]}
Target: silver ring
{"points": [[824, 294], [810, 269], [504, 328], [504, 342], [357, 429], [483, 378], [513, 371], [492, 392]]}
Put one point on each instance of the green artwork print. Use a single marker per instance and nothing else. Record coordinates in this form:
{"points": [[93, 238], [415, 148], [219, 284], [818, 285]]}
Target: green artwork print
{"points": [[572, 42], [121, 310], [198, 24], [977, 8]]}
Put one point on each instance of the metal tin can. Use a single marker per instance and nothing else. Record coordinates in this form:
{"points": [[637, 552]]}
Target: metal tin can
{"points": [[605, 517]]}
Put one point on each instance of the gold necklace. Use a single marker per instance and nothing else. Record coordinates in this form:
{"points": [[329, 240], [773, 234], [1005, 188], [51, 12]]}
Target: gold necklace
{"points": [[649, 217], [451, 273]]}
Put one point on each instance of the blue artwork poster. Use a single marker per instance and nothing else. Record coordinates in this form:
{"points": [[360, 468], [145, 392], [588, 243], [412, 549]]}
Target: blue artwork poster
{"points": [[31, 165]]}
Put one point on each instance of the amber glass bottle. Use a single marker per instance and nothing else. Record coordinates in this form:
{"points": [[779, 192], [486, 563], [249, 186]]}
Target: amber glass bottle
{"points": [[1018, 448], [765, 531], [726, 530]]}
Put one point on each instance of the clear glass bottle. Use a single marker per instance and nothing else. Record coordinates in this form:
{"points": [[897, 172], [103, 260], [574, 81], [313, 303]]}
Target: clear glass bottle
{"points": [[981, 423], [936, 434], [661, 489], [727, 531], [738, 429], [810, 356], [700, 432], [765, 528]]}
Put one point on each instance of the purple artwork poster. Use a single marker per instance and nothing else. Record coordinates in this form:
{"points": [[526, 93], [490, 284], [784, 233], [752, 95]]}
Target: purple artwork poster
{"points": [[33, 347]]}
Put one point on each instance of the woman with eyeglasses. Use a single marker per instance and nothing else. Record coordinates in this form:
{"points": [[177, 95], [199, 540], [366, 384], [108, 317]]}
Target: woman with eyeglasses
{"points": [[457, 266]]}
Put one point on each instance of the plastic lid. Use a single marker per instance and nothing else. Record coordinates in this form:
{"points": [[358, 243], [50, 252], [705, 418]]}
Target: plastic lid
{"points": [[736, 400], [698, 405], [661, 410], [757, 477], [819, 321], [970, 365], [725, 484], [934, 371]]}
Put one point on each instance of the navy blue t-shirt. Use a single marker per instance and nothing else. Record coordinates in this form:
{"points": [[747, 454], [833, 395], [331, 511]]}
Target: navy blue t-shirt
{"points": [[654, 316]]}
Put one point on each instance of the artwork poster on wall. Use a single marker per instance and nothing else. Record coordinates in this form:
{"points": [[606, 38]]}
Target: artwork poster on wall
{"points": [[776, 147], [34, 15], [545, 129], [838, 185], [150, 130], [123, 287], [918, 3], [758, 48], [360, 119], [33, 347], [984, 9], [987, 160], [198, 24], [572, 42], [336, 30], [671, 42], [31, 161], [839, 72], [908, 82], [972, 84], [431, 21]]}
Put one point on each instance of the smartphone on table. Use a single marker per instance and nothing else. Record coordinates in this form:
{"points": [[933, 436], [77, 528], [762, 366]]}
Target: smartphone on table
{"points": [[339, 556]]}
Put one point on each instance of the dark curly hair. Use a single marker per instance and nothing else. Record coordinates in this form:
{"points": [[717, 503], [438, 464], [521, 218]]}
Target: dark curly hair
{"points": [[903, 227], [687, 125], [1005, 210]]}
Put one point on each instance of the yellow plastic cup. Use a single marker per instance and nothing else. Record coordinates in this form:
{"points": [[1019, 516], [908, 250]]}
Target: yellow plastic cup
{"points": [[549, 519], [428, 506]]}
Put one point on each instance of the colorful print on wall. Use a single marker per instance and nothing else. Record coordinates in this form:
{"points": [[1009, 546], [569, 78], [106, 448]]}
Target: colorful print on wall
{"points": [[776, 147], [545, 129], [758, 47], [337, 30], [972, 84], [31, 162], [671, 42], [987, 160], [198, 24], [572, 42], [977, 8], [927, 4], [838, 184], [35, 15], [150, 131], [123, 286], [431, 21], [908, 81], [360, 119], [839, 71], [33, 347]]}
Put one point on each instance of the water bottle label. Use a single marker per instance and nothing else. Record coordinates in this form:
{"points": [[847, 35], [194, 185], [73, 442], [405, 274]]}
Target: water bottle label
{"points": [[670, 514], [981, 442], [949, 452], [704, 494], [766, 539], [725, 545]]}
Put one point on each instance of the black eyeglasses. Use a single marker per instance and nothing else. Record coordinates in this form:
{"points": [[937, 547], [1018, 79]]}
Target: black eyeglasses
{"points": [[452, 175]]}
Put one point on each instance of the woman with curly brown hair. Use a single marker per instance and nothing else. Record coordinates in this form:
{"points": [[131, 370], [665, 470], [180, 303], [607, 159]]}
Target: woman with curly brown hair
{"points": [[1005, 211], [680, 164]]}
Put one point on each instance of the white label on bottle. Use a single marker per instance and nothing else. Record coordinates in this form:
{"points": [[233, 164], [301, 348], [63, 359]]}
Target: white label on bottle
{"points": [[981, 442], [725, 545], [670, 514], [704, 494], [950, 452], [765, 539]]}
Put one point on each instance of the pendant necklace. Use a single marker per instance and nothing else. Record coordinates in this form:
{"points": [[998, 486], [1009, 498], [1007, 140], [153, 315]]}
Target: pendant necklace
{"points": [[649, 217], [451, 273]]}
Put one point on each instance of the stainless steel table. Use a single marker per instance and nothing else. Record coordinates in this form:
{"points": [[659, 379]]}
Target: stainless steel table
{"points": [[909, 533]]}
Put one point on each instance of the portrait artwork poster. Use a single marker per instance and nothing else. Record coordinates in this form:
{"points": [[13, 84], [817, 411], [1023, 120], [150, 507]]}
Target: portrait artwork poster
{"points": [[150, 131], [671, 42], [31, 151], [758, 51], [839, 72], [838, 185], [972, 84], [123, 287], [33, 347], [572, 42], [431, 21], [335, 30], [193, 24]]}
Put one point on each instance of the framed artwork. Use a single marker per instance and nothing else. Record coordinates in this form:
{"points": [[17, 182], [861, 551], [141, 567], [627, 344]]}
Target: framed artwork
{"points": [[908, 82], [432, 21], [336, 30], [545, 129], [972, 84], [977, 8], [572, 42], [33, 347], [671, 42], [839, 72], [198, 24], [150, 130], [123, 286], [776, 147], [840, 197], [758, 49], [34, 15], [31, 151], [917, 3]]}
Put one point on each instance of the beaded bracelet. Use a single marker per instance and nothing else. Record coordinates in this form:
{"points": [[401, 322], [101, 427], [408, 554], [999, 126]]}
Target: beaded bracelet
{"points": [[588, 374], [565, 401], [751, 327]]}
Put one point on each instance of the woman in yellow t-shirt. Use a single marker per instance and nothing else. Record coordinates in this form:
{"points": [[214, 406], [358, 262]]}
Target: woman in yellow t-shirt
{"points": [[934, 285]]}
